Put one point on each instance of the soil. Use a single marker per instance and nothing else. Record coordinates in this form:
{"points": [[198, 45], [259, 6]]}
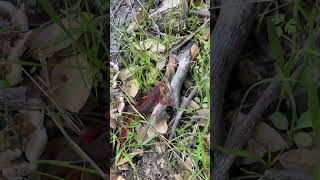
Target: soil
{"points": [[153, 165]]}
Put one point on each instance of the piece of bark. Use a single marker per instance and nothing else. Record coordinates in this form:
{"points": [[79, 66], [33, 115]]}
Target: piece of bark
{"points": [[229, 35]]}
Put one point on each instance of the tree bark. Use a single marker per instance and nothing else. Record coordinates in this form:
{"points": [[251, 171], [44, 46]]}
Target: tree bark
{"points": [[227, 39]]}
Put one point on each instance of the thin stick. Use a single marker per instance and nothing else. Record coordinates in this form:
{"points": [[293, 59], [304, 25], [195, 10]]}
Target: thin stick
{"points": [[190, 36], [184, 104]]}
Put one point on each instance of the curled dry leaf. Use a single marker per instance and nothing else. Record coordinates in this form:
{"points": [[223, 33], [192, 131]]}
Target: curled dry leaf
{"points": [[114, 176], [113, 124], [161, 126], [178, 177], [203, 112], [132, 154], [132, 87], [71, 86], [18, 19], [194, 51], [142, 132], [132, 27], [125, 74], [161, 63], [188, 163], [158, 48], [124, 167], [151, 44], [193, 106], [120, 103], [263, 139], [269, 137], [18, 171], [7, 156], [171, 67], [50, 38], [35, 133]]}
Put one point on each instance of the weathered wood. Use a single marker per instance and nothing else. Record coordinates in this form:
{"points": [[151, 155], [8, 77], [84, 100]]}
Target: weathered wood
{"points": [[229, 35]]}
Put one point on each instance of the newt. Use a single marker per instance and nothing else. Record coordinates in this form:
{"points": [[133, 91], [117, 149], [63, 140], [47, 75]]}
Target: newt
{"points": [[146, 107]]}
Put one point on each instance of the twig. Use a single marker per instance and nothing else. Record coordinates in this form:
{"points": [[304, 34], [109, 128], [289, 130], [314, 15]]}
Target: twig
{"points": [[175, 86], [184, 104], [190, 36]]}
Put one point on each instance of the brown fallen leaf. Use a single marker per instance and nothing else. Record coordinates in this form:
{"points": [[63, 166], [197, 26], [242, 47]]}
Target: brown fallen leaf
{"points": [[264, 139], [171, 67], [50, 38], [69, 88], [133, 153], [194, 51], [203, 112], [269, 137], [300, 159], [161, 126], [132, 87], [125, 74], [120, 103]]}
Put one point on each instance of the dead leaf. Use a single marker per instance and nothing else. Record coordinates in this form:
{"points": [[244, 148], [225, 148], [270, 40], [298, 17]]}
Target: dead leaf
{"points": [[171, 67], [136, 151], [51, 38], [203, 112], [132, 27], [194, 51], [157, 47], [133, 153], [114, 176], [142, 132], [161, 63], [188, 163], [70, 89], [137, 17], [132, 87], [125, 74], [161, 126], [193, 106], [124, 167], [202, 122], [178, 177], [120, 103], [300, 159], [269, 137], [113, 124], [151, 132]]}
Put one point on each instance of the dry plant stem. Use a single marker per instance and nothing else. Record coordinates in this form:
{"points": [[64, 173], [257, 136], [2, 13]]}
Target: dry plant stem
{"points": [[190, 36], [184, 60], [184, 104], [228, 37]]}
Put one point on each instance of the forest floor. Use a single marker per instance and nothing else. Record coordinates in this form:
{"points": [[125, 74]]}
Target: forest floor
{"points": [[160, 89]]}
